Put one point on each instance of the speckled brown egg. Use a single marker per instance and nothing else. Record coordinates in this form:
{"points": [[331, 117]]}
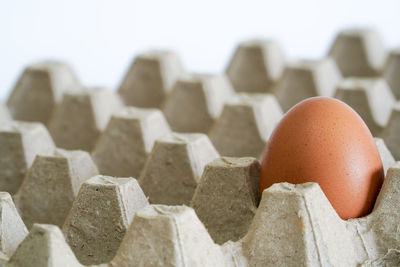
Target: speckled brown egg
{"points": [[323, 140]]}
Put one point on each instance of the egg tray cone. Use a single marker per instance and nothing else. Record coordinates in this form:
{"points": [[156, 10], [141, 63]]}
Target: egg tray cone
{"points": [[192, 143]]}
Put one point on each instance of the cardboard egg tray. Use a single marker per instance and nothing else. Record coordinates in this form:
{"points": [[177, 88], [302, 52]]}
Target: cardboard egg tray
{"points": [[193, 144]]}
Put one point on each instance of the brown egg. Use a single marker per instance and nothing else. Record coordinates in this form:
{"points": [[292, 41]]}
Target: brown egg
{"points": [[323, 140]]}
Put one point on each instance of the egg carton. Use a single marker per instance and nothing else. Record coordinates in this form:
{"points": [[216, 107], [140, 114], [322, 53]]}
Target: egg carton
{"points": [[359, 52], [110, 220], [50, 80], [305, 78], [193, 143], [4, 114], [256, 66], [150, 78], [392, 64]]}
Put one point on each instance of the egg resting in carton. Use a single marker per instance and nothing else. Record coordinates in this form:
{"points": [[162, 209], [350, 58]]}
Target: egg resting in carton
{"points": [[224, 223]]}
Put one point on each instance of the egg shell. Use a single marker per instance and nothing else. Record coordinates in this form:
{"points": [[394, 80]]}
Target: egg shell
{"points": [[324, 140]]}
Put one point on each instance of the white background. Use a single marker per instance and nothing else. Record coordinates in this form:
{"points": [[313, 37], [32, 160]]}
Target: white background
{"points": [[100, 38]]}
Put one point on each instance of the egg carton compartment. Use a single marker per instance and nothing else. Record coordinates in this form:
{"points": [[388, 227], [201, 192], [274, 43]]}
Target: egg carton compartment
{"points": [[129, 134], [51, 185], [4, 113], [391, 132], [100, 217], [296, 225], [39, 89], [391, 66], [359, 52], [256, 66], [82, 116], [257, 113], [305, 78], [150, 78], [196, 101], [193, 144], [371, 98], [20, 142]]}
